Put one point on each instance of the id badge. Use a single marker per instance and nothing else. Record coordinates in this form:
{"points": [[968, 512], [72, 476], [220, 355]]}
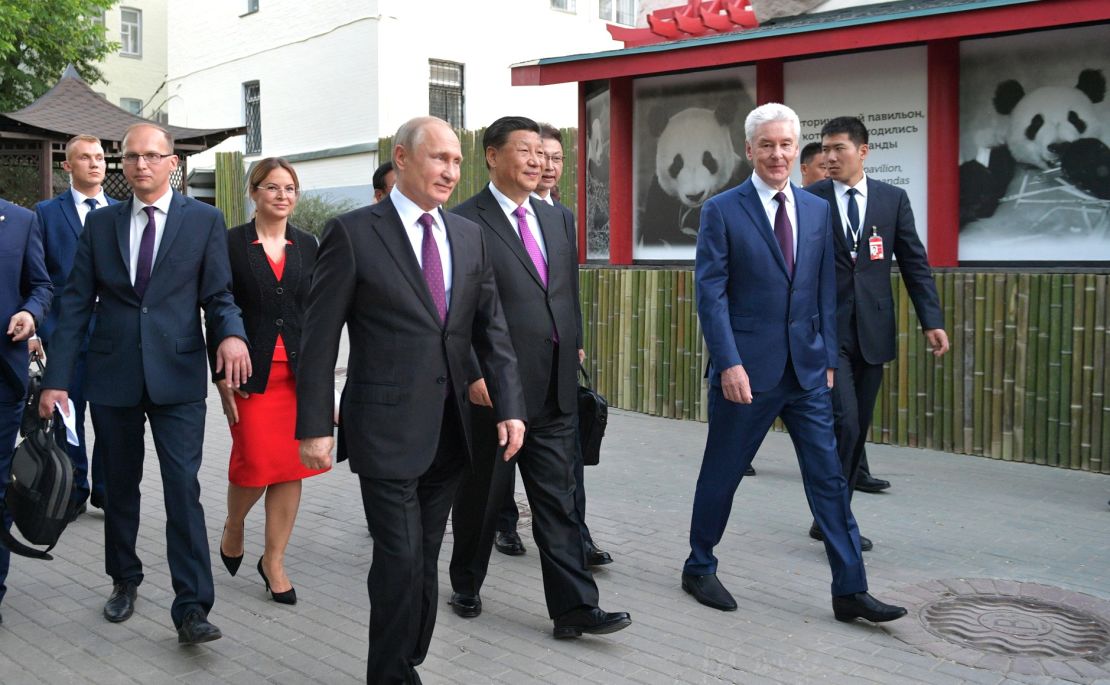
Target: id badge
{"points": [[875, 245]]}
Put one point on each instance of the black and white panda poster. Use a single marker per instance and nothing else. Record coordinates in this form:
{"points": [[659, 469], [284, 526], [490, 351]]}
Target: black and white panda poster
{"points": [[597, 171], [688, 133], [1034, 155]]}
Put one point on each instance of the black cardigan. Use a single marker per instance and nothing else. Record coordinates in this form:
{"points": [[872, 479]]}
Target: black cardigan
{"points": [[269, 306]]}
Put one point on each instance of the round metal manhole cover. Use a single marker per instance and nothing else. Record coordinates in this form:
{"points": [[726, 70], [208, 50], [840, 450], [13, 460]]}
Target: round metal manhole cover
{"points": [[1008, 626], [1017, 625]]}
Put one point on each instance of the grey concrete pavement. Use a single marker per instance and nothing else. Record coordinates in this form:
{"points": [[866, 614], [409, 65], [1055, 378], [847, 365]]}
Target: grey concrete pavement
{"points": [[946, 517]]}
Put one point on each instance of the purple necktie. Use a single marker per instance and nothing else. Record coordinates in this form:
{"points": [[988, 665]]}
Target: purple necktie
{"points": [[433, 267], [530, 244], [146, 253], [784, 234]]}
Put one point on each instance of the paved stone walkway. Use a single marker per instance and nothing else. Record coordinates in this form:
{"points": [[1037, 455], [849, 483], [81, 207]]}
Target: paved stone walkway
{"points": [[947, 517]]}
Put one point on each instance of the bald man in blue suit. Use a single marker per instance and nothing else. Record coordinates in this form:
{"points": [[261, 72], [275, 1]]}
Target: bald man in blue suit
{"points": [[766, 296]]}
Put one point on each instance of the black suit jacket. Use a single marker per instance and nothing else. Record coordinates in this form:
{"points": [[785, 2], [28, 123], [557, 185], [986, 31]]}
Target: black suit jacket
{"points": [[402, 359], [863, 288], [533, 312], [155, 343], [269, 307]]}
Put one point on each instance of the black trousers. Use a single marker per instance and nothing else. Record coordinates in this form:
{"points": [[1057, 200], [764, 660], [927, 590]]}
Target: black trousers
{"points": [[854, 392], [178, 431], [546, 463], [407, 519], [508, 516]]}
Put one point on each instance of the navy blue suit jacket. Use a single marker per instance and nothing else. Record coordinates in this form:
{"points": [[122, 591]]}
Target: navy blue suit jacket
{"points": [[863, 288], [751, 311], [24, 285], [154, 343], [61, 227]]}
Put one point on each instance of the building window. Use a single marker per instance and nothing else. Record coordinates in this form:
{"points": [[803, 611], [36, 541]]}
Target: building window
{"points": [[619, 11], [131, 32], [133, 105], [564, 5], [252, 107], [252, 6], [445, 92]]}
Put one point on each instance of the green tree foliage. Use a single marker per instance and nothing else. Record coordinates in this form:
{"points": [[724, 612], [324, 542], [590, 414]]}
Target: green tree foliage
{"points": [[38, 38], [313, 211]]}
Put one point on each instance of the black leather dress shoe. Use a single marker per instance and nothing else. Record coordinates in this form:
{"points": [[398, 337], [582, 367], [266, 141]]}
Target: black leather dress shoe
{"points": [[467, 606], [121, 604], [865, 543], [593, 621], [509, 542], [863, 605], [77, 511], [868, 483], [196, 629], [750, 471], [96, 501], [596, 557], [709, 591]]}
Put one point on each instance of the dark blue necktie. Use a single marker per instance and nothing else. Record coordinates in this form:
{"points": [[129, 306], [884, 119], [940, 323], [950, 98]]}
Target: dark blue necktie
{"points": [[853, 215], [146, 253], [91, 202]]}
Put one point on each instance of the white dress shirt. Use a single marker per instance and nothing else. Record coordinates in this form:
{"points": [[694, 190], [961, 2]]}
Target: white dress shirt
{"points": [[771, 207], [410, 215], [840, 190], [82, 208], [545, 198], [508, 206], [138, 225]]}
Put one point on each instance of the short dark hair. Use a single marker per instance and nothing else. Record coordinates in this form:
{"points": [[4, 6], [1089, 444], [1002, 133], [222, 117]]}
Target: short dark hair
{"points": [[380, 173], [855, 129], [549, 132], [809, 151], [497, 133]]}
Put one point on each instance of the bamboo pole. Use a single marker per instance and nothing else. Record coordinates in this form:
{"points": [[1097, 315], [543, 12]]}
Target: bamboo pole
{"points": [[1055, 347], [998, 350]]}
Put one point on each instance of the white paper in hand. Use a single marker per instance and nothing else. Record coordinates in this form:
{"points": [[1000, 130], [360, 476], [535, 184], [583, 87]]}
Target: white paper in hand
{"points": [[70, 421]]}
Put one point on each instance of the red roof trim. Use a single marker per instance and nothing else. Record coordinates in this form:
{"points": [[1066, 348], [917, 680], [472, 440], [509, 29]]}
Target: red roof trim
{"points": [[701, 55]]}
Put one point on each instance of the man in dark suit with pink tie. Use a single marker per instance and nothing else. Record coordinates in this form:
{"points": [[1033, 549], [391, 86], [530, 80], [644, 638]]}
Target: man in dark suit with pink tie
{"points": [[415, 287], [766, 297]]}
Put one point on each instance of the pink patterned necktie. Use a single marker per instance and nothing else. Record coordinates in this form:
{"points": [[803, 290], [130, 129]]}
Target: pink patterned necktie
{"points": [[530, 244], [433, 267]]}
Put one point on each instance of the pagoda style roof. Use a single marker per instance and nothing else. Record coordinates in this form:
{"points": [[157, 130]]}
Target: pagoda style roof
{"points": [[71, 107]]}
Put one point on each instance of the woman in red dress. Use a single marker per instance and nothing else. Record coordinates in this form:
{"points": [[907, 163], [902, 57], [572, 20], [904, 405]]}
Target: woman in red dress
{"points": [[271, 267]]}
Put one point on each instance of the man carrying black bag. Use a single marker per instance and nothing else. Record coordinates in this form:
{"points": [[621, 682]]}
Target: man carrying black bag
{"points": [[25, 296]]}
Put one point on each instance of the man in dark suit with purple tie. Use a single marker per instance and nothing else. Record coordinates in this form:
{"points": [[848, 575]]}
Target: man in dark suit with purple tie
{"points": [[148, 267], [766, 297], [63, 219], [415, 287]]}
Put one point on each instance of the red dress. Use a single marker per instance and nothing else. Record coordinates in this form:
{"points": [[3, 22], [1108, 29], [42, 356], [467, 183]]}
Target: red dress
{"points": [[263, 449]]}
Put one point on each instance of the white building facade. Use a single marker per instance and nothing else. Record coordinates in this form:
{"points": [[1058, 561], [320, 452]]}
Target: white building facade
{"points": [[318, 83], [135, 75]]}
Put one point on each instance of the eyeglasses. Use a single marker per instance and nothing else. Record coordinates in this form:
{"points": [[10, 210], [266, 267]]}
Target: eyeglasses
{"points": [[554, 159], [152, 158], [273, 190]]}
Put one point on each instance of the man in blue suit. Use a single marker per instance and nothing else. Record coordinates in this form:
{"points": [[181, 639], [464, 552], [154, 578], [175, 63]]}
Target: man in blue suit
{"points": [[153, 262], [62, 219], [766, 295], [24, 301]]}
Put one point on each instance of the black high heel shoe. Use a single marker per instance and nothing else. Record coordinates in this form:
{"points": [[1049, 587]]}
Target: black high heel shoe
{"points": [[230, 563], [287, 597]]}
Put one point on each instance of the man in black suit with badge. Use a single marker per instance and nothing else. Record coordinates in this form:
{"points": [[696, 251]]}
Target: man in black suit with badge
{"points": [[533, 251], [872, 225]]}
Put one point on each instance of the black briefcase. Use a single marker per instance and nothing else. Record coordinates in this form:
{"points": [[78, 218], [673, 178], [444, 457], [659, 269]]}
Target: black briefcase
{"points": [[593, 416]]}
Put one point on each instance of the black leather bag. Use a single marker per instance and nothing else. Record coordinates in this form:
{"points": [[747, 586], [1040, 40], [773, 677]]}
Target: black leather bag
{"points": [[40, 486], [593, 416]]}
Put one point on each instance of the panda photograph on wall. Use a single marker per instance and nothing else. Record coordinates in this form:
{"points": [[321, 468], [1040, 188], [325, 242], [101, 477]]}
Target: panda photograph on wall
{"points": [[597, 171], [688, 145], [1035, 147]]}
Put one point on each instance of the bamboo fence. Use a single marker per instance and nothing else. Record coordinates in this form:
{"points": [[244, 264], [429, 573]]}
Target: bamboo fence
{"points": [[231, 187], [1025, 381]]}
